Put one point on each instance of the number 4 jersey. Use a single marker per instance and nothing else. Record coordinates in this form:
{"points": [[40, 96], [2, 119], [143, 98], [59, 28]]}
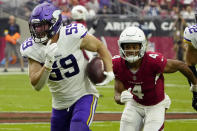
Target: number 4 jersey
{"points": [[68, 80], [147, 83]]}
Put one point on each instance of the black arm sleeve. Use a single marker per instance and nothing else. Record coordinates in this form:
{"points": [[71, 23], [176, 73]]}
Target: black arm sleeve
{"points": [[193, 69]]}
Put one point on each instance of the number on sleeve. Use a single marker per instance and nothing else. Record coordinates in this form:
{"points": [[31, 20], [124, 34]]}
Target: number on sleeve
{"points": [[193, 29], [27, 44], [137, 90], [71, 28], [153, 55]]}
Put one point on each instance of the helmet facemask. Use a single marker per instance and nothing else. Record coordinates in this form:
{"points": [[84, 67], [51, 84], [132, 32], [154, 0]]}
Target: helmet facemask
{"points": [[45, 22], [133, 37], [131, 52], [40, 31]]}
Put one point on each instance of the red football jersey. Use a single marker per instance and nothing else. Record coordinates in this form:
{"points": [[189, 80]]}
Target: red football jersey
{"points": [[147, 83]]}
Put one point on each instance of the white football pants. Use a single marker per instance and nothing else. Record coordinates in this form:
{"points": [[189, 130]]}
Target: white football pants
{"points": [[137, 117]]}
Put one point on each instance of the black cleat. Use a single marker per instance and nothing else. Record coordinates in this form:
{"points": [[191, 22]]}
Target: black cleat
{"points": [[22, 70], [5, 70]]}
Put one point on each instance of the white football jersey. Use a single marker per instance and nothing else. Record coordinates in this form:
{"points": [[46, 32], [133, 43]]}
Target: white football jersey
{"points": [[68, 80], [190, 35]]}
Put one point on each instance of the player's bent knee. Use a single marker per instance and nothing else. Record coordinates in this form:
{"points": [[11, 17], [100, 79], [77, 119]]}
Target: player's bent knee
{"points": [[79, 126]]}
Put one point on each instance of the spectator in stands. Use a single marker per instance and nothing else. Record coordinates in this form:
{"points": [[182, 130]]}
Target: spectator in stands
{"points": [[179, 26], [92, 5], [153, 9], [188, 13], [174, 13], [105, 9], [66, 14], [12, 35], [42, 1], [103, 3], [73, 2]]}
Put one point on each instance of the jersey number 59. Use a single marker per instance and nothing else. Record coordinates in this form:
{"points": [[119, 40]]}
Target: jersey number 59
{"points": [[70, 66]]}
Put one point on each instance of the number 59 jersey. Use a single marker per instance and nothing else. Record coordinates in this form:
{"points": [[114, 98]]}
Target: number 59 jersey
{"points": [[68, 80], [147, 83], [190, 34]]}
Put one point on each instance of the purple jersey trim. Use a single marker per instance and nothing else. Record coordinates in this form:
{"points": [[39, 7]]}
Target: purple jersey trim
{"points": [[187, 39], [83, 35]]}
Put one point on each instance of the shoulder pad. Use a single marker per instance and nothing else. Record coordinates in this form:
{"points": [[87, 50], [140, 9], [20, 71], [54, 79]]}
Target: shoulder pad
{"points": [[77, 30], [190, 35], [32, 50]]}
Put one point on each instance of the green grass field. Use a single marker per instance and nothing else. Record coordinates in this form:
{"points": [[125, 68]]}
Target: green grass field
{"points": [[17, 95]]}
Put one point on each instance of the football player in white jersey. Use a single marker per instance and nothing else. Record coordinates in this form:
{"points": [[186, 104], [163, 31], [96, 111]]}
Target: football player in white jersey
{"points": [[55, 57], [190, 38]]}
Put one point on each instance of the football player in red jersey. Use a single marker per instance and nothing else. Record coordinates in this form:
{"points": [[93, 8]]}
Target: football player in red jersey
{"points": [[139, 82], [79, 14]]}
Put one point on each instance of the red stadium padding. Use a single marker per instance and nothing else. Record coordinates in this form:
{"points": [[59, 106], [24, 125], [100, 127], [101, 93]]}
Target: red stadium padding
{"points": [[2, 47], [163, 44]]}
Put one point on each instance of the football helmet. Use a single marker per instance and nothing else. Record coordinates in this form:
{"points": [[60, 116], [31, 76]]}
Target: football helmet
{"points": [[132, 35], [79, 12], [45, 21]]}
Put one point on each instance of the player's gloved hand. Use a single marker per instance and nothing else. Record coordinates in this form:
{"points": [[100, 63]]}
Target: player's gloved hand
{"points": [[126, 96], [193, 88], [50, 53], [109, 77]]}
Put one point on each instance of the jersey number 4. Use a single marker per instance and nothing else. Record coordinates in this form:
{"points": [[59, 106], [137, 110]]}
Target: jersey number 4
{"points": [[137, 90], [70, 68]]}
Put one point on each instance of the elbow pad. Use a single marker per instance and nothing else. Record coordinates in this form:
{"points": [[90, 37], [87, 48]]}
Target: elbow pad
{"points": [[43, 80]]}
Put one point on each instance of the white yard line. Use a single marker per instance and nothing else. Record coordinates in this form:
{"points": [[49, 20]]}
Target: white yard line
{"points": [[167, 85]]}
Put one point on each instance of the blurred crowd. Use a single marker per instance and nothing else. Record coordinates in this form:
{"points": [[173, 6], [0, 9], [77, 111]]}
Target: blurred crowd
{"points": [[179, 10], [149, 8]]}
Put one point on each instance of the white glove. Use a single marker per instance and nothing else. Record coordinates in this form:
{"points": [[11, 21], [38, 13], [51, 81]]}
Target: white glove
{"points": [[109, 77], [50, 53], [193, 88], [126, 96]]}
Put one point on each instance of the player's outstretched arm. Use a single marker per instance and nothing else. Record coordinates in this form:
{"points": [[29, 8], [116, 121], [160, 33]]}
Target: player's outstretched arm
{"points": [[118, 89], [38, 74], [91, 43], [176, 65], [121, 96]]}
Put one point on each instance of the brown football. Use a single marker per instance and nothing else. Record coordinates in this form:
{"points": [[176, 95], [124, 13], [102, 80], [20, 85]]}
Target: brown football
{"points": [[95, 69]]}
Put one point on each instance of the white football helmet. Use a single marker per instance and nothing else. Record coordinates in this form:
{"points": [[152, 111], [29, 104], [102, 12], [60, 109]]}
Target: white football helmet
{"points": [[132, 35], [79, 12]]}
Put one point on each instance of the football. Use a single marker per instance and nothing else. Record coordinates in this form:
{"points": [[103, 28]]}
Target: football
{"points": [[95, 69]]}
